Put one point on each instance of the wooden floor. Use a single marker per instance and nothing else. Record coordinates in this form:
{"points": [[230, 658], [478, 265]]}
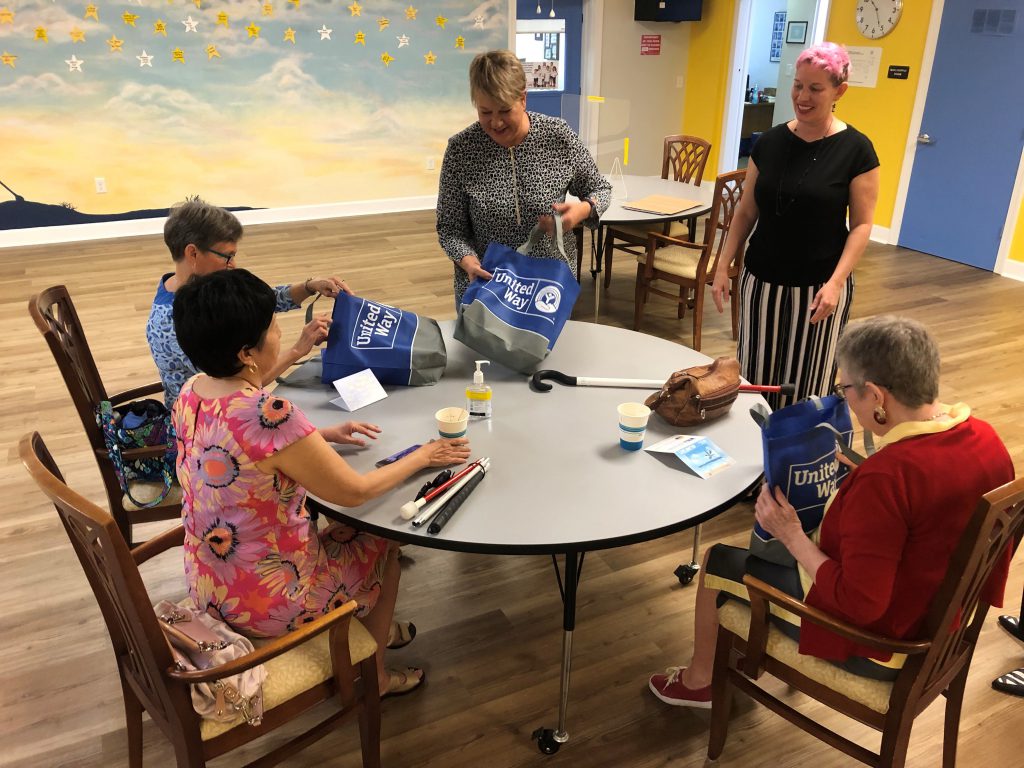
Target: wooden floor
{"points": [[490, 628]]}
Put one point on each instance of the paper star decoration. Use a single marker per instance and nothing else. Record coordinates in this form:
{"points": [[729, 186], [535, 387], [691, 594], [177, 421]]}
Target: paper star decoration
{"points": [[355, 9], [478, 22], [90, 10], [460, 42], [429, 57], [190, 24], [387, 58], [410, 13], [199, 3], [289, 36], [145, 60], [41, 34], [6, 16], [441, 21], [383, 24], [403, 40], [360, 38], [296, 3], [129, 18], [74, 63], [325, 33], [212, 52], [178, 55], [8, 59], [222, 20], [268, 9], [253, 30], [77, 35], [159, 27]]}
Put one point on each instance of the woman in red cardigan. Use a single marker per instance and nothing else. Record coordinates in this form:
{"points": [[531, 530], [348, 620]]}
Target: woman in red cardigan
{"points": [[882, 548]]}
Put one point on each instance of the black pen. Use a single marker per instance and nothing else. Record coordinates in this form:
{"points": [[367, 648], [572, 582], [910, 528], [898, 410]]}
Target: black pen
{"points": [[442, 517]]}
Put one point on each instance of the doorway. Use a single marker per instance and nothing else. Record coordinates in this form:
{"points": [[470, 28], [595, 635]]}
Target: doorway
{"points": [[550, 45]]}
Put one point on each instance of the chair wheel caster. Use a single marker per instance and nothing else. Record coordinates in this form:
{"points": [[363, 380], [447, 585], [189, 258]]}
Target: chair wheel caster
{"points": [[685, 573], [546, 741]]}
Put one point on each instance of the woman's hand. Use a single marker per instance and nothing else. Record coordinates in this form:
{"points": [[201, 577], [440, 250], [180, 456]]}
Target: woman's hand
{"points": [[776, 515], [471, 266], [445, 452], [327, 286], [825, 301], [720, 290], [572, 214], [313, 333], [345, 434]]}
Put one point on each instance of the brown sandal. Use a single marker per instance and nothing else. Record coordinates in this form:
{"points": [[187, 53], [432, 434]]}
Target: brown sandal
{"points": [[403, 681]]}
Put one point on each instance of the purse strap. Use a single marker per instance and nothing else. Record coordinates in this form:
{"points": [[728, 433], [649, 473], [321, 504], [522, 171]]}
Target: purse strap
{"points": [[760, 414], [537, 234]]}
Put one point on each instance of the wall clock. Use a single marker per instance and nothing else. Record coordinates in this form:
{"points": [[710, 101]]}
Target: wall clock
{"points": [[877, 18]]}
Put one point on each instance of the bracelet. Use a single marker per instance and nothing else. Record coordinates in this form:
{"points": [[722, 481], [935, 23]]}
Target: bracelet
{"points": [[305, 286]]}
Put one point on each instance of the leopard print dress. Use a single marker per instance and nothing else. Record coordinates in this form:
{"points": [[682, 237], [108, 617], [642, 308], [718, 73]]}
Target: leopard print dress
{"points": [[489, 193]]}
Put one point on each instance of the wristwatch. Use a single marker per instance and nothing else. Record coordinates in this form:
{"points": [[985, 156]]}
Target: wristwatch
{"points": [[593, 205]]}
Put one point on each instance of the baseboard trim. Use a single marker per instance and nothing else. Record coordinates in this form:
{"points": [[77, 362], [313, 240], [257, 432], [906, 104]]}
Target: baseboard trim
{"points": [[1013, 270], [880, 234], [137, 227]]}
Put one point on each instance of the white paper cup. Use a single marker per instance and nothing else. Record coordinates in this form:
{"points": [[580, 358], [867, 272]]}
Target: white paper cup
{"points": [[452, 422], [632, 425]]}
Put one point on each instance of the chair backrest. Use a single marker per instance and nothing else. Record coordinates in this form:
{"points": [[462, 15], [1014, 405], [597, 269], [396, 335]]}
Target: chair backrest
{"points": [[728, 191], [140, 648], [686, 157], [958, 611], [55, 316]]}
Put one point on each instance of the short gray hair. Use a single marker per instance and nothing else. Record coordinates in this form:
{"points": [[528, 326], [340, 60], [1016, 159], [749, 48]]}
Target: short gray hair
{"points": [[498, 75], [198, 223], [893, 352]]}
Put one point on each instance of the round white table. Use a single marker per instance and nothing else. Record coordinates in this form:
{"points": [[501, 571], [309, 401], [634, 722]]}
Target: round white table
{"points": [[559, 483]]}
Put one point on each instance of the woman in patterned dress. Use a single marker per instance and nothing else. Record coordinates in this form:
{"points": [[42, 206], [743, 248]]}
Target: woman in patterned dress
{"points": [[246, 460], [509, 171]]}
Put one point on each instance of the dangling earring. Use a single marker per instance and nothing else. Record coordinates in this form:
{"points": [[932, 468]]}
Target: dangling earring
{"points": [[881, 417], [253, 369], [833, 106]]}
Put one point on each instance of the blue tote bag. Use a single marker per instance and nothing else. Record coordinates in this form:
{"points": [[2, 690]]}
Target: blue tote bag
{"points": [[400, 347], [799, 444], [515, 317]]}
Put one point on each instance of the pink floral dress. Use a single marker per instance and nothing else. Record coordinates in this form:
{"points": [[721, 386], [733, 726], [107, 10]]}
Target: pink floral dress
{"points": [[251, 552]]}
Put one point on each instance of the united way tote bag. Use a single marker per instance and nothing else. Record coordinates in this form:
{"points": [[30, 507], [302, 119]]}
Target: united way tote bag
{"points": [[515, 317], [799, 444], [400, 347]]}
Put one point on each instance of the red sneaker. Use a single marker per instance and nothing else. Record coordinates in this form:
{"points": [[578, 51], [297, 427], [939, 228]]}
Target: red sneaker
{"points": [[670, 689]]}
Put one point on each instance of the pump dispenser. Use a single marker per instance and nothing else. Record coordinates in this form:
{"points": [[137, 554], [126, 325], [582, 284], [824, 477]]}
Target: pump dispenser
{"points": [[478, 395]]}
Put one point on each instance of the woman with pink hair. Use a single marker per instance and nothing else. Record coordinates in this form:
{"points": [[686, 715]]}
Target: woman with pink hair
{"points": [[806, 177]]}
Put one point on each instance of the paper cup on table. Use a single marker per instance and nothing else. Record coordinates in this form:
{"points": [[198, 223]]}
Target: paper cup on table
{"points": [[451, 422], [632, 425]]}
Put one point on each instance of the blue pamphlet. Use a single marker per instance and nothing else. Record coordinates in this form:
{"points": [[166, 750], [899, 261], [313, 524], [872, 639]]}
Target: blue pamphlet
{"points": [[698, 453]]}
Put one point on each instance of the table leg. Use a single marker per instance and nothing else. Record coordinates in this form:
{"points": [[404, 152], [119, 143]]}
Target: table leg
{"points": [[598, 255], [550, 740]]}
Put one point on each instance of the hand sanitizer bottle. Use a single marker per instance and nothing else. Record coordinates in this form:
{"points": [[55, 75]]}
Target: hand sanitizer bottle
{"points": [[478, 395]]}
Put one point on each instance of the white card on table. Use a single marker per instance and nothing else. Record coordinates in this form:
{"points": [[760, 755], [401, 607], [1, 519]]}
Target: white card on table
{"points": [[698, 453], [358, 390]]}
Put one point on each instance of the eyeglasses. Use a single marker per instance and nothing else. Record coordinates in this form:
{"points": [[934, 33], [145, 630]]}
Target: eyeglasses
{"points": [[839, 390], [228, 257]]}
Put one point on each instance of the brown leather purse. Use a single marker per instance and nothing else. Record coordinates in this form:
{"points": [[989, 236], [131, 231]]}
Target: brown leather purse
{"points": [[699, 394]]}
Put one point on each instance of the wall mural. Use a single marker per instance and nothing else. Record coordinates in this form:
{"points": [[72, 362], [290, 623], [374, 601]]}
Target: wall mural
{"points": [[117, 110]]}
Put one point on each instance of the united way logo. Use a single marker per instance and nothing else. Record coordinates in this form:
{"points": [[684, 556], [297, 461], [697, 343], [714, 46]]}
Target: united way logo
{"points": [[548, 299]]}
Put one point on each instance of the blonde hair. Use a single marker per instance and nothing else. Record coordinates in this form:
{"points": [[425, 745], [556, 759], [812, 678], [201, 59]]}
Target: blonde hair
{"points": [[498, 75]]}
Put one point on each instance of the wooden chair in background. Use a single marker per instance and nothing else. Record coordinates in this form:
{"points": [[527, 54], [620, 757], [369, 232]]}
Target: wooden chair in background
{"points": [[685, 157], [691, 266], [55, 316], [315, 663], [936, 664]]}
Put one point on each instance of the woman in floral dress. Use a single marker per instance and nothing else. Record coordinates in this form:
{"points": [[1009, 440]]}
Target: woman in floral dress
{"points": [[246, 459]]}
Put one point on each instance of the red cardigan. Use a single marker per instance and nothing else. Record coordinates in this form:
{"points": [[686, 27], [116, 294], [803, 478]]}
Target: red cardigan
{"points": [[891, 529]]}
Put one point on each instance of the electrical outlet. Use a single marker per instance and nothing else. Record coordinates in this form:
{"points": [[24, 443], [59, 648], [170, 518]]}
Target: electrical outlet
{"points": [[679, 81], [101, 185], [430, 163]]}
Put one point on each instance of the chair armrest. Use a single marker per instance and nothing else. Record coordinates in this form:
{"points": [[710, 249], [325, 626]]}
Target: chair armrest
{"points": [[653, 238], [175, 537], [131, 454], [135, 393], [283, 644], [762, 593]]}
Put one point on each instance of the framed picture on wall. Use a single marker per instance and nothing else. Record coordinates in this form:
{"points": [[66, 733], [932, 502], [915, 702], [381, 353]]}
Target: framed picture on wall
{"points": [[796, 32], [778, 29]]}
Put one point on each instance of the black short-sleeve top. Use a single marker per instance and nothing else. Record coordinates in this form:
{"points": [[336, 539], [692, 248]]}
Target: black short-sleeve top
{"points": [[802, 194]]}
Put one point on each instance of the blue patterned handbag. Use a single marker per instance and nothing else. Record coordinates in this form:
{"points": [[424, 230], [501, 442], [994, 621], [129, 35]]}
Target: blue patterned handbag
{"points": [[140, 424]]}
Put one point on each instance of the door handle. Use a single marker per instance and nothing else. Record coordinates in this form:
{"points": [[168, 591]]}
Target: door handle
{"points": [[924, 138]]}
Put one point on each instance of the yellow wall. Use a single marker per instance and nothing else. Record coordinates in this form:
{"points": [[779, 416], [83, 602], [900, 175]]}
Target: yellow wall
{"points": [[1017, 244]]}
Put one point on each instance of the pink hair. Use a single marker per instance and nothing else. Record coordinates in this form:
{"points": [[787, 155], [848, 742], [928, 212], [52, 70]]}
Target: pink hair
{"points": [[830, 57]]}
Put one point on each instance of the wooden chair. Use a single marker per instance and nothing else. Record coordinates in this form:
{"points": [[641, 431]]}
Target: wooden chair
{"points": [[691, 266], [304, 668], [685, 157], [936, 664], [55, 316]]}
